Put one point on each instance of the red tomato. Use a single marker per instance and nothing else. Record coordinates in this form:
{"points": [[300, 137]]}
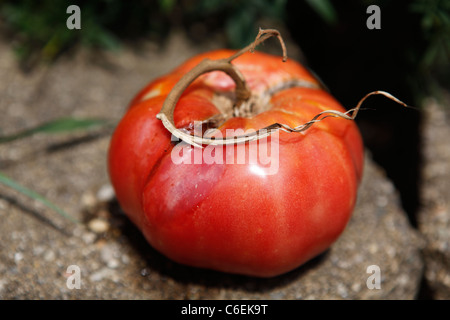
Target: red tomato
{"points": [[239, 217]]}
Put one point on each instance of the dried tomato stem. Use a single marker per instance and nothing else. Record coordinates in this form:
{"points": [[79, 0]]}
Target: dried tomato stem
{"points": [[348, 115], [242, 94], [262, 36], [242, 91]]}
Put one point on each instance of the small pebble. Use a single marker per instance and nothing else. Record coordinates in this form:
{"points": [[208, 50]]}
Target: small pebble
{"points": [[108, 255], [104, 273], [113, 263], [3, 285], [18, 256], [49, 256], [356, 287], [98, 225], [38, 250], [125, 259], [3, 205], [145, 272], [342, 290], [105, 193], [88, 237], [88, 200]]}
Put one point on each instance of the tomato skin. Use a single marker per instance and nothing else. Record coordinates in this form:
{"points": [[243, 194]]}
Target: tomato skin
{"points": [[235, 217]]}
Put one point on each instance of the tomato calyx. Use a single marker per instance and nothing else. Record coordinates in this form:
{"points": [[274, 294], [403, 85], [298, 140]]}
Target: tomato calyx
{"points": [[243, 103], [242, 92]]}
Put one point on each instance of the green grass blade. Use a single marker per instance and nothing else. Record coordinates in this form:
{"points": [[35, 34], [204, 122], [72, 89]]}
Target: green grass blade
{"points": [[55, 126], [32, 194]]}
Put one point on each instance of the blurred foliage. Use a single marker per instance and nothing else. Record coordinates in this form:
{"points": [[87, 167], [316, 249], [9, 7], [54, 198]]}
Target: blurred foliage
{"points": [[434, 62], [56, 126], [239, 18], [325, 10], [39, 30]]}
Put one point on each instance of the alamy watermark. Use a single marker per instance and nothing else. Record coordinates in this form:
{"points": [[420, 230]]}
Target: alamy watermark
{"points": [[374, 280], [73, 274], [374, 20], [262, 155], [74, 20]]}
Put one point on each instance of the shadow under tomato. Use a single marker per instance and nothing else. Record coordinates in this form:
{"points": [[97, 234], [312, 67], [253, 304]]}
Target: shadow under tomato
{"points": [[157, 262]]}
